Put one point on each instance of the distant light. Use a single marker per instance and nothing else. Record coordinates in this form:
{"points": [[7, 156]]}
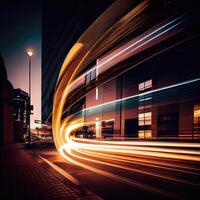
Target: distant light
{"points": [[30, 53], [97, 118]]}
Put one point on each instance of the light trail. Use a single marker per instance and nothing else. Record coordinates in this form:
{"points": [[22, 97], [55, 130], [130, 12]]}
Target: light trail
{"points": [[109, 160], [107, 150], [137, 43], [135, 160], [143, 94], [123, 155], [107, 174], [131, 148]]}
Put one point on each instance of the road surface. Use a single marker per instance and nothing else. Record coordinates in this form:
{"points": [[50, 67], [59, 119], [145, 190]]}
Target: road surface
{"points": [[137, 176]]}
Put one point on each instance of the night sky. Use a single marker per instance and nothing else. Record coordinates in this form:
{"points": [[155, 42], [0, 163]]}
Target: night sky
{"points": [[20, 28]]}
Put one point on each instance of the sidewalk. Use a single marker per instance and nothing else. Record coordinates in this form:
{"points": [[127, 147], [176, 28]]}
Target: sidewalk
{"points": [[25, 176]]}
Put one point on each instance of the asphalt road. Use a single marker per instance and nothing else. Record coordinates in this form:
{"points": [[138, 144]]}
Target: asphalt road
{"points": [[143, 177]]}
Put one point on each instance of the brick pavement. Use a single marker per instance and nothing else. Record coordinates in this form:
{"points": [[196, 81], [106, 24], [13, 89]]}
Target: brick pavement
{"points": [[24, 177]]}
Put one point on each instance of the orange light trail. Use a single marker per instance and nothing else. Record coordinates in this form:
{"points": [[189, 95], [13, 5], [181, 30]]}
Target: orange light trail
{"points": [[123, 155]]}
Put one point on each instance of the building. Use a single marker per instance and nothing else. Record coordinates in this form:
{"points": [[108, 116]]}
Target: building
{"points": [[44, 132], [63, 22], [6, 106], [139, 81], [21, 113], [21, 100]]}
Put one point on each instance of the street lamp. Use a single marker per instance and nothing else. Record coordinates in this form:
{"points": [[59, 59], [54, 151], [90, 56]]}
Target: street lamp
{"points": [[30, 53]]}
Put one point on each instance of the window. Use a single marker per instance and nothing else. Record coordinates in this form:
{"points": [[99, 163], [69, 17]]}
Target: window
{"points": [[145, 85], [144, 122], [197, 118], [142, 107], [144, 119], [90, 76], [93, 74], [145, 134], [107, 128], [87, 78]]}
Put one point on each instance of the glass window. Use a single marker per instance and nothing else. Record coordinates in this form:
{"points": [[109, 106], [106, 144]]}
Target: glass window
{"points": [[148, 134], [87, 78], [142, 107], [144, 118], [141, 86], [145, 134], [145, 85], [141, 134], [148, 84], [197, 118], [90, 76], [144, 122], [93, 74]]}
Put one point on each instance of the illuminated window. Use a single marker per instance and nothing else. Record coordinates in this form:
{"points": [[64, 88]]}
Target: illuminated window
{"points": [[144, 119], [197, 118], [144, 122], [145, 85], [145, 134], [142, 107]]}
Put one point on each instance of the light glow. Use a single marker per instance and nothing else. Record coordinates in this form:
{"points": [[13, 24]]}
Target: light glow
{"points": [[115, 153], [30, 53]]}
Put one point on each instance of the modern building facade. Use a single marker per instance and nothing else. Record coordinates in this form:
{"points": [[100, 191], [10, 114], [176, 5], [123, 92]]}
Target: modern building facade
{"points": [[63, 22], [156, 99], [141, 79]]}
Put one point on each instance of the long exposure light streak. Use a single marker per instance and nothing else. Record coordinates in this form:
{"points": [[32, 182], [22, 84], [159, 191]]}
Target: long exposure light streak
{"points": [[123, 155], [85, 153], [125, 180], [109, 160], [143, 94], [147, 37]]}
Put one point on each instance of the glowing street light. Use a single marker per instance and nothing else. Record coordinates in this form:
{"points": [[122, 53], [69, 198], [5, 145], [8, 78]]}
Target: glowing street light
{"points": [[30, 53]]}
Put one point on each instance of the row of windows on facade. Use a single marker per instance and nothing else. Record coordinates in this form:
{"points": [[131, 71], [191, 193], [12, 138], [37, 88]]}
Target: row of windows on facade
{"points": [[144, 117], [92, 75]]}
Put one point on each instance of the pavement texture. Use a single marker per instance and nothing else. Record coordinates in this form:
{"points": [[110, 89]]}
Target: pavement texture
{"points": [[26, 176]]}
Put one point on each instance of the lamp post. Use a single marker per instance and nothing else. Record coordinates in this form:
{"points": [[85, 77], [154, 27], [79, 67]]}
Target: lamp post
{"points": [[30, 53]]}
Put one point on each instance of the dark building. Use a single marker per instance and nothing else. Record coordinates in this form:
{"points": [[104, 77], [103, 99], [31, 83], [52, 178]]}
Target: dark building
{"points": [[63, 22], [6, 106], [147, 84], [21, 114]]}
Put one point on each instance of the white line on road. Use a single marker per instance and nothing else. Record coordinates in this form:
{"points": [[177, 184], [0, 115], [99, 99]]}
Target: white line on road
{"points": [[60, 170], [89, 195]]}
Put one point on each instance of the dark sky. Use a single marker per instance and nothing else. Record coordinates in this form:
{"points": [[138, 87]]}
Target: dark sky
{"points": [[20, 28]]}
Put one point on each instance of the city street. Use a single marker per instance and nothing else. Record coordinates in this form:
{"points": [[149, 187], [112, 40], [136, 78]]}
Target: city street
{"points": [[99, 100], [26, 176], [143, 177]]}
